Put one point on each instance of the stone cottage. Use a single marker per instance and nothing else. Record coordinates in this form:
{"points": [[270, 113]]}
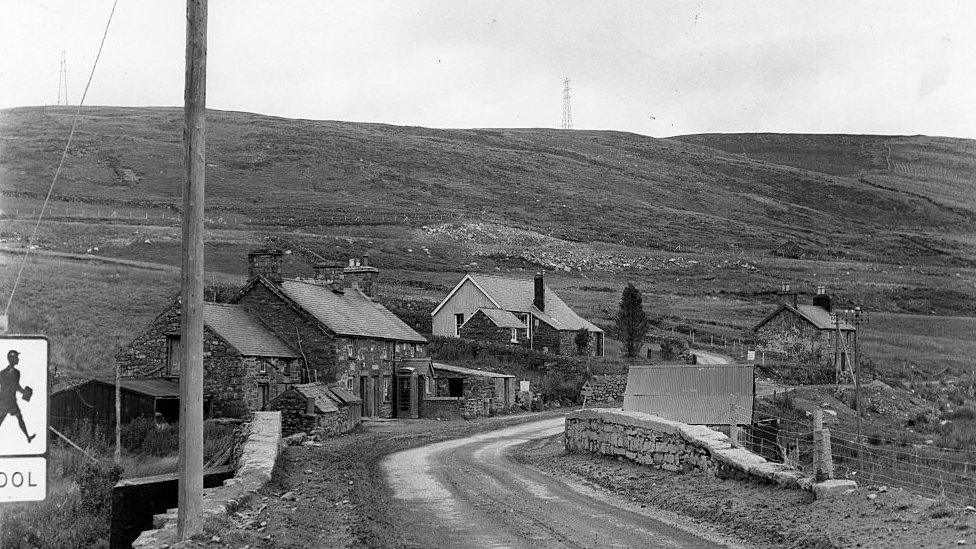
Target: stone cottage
{"points": [[513, 311], [807, 334], [245, 364], [480, 392], [330, 325]]}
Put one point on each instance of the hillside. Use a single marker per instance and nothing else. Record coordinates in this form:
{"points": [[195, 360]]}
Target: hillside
{"points": [[688, 193]]}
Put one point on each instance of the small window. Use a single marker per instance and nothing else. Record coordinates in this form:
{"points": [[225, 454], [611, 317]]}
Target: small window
{"points": [[349, 353], [349, 384], [458, 321], [514, 335], [428, 385]]}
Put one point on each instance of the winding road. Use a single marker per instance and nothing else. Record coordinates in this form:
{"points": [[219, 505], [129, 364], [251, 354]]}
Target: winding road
{"points": [[469, 492]]}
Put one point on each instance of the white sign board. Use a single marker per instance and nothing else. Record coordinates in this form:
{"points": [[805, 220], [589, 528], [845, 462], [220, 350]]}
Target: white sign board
{"points": [[23, 418], [751, 355]]}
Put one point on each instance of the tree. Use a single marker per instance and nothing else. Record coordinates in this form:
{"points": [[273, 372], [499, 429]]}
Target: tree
{"points": [[632, 322], [582, 341]]}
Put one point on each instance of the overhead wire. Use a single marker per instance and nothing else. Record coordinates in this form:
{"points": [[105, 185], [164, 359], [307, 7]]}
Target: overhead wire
{"points": [[64, 155]]}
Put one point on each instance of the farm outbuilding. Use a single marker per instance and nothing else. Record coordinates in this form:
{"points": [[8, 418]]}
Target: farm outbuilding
{"points": [[317, 406], [481, 392], [94, 401]]}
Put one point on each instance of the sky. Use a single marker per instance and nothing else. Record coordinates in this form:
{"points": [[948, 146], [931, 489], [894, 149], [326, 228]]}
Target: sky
{"points": [[656, 68]]}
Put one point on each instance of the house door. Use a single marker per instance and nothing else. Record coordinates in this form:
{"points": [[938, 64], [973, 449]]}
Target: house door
{"points": [[364, 395]]}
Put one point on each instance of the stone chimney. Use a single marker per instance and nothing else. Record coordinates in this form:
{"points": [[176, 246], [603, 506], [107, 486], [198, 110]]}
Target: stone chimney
{"points": [[359, 274], [539, 294], [822, 300], [266, 263], [787, 295], [330, 273]]}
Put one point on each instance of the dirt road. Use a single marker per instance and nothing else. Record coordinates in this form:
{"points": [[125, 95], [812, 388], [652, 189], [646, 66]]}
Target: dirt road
{"points": [[469, 493]]}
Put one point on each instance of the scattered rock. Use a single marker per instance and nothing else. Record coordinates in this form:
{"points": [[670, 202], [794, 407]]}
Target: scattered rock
{"points": [[289, 496], [872, 496], [296, 439]]}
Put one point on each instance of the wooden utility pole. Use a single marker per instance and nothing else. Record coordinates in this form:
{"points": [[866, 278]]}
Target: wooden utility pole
{"points": [[118, 414], [190, 519]]}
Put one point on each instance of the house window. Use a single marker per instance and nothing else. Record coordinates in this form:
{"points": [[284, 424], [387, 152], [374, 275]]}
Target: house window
{"points": [[514, 335], [349, 353], [349, 384], [458, 321], [428, 385], [173, 355]]}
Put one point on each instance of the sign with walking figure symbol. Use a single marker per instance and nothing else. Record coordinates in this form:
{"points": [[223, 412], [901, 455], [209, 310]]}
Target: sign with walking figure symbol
{"points": [[23, 418]]}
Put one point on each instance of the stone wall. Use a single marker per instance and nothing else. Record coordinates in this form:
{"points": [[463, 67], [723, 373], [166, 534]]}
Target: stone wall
{"points": [[257, 460], [663, 444], [440, 408], [608, 388]]}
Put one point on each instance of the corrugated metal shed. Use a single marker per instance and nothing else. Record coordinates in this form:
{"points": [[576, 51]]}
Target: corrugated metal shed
{"points": [[244, 333], [503, 319], [465, 371], [153, 387], [349, 313], [514, 294], [693, 394]]}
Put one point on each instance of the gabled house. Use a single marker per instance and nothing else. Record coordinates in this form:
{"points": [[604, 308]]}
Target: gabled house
{"points": [[245, 363], [290, 330], [513, 311], [809, 334]]}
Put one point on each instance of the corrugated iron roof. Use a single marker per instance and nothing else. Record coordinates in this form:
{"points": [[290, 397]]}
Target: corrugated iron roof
{"points": [[514, 294], [349, 313], [813, 314], [243, 332], [467, 371], [155, 387], [325, 401], [693, 394], [503, 319]]}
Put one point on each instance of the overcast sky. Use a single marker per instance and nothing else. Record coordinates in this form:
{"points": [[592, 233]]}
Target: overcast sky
{"points": [[656, 68]]}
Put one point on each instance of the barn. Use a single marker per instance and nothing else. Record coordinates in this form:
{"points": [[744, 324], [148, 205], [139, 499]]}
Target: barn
{"points": [[94, 401]]}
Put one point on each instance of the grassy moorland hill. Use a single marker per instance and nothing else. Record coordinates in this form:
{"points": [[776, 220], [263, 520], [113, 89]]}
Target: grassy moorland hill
{"points": [[686, 193], [691, 220]]}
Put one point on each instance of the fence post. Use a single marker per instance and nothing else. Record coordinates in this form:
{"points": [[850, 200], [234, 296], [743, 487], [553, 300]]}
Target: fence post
{"points": [[823, 461], [733, 428]]}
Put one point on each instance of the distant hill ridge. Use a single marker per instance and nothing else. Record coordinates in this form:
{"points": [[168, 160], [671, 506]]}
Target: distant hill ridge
{"points": [[710, 192]]}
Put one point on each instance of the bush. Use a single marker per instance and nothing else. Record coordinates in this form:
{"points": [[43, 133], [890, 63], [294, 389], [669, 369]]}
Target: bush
{"points": [[142, 436]]}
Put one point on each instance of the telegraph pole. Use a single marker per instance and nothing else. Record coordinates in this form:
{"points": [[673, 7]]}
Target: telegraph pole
{"points": [[189, 519]]}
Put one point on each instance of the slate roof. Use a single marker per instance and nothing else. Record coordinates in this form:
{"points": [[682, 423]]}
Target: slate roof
{"points": [[243, 332], [467, 371], [345, 396], [811, 313], [503, 319], [325, 401], [349, 313], [513, 294], [693, 394]]}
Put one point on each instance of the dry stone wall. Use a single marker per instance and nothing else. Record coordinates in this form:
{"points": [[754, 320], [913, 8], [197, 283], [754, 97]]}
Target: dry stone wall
{"points": [[609, 387], [672, 446]]}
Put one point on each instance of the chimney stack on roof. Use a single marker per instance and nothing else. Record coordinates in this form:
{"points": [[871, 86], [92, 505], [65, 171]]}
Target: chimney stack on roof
{"points": [[787, 295], [822, 300], [539, 295], [360, 275], [330, 273], [266, 263]]}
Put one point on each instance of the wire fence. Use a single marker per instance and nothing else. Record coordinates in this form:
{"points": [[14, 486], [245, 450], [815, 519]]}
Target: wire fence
{"points": [[930, 471]]}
